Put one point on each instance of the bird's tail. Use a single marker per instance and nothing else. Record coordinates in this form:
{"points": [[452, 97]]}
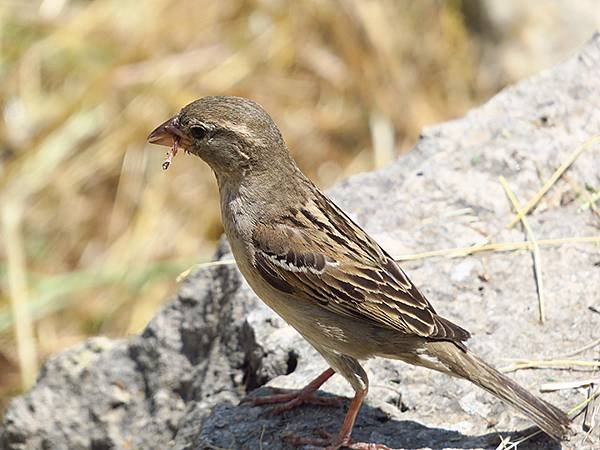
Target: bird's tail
{"points": [[466, 365]]}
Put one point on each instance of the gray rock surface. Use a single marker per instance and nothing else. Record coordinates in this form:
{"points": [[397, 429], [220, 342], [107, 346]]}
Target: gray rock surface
{"points": [[179, 384]]}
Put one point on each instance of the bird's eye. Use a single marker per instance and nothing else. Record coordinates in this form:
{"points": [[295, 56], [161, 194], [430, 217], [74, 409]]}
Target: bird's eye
{"points": [[198, 132]]}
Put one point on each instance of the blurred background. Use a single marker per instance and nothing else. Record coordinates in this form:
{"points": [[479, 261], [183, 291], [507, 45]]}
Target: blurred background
{"points": [[93, 233]]}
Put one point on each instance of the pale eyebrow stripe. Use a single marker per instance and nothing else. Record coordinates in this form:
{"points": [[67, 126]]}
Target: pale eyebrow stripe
{"points": [[245, 132]]}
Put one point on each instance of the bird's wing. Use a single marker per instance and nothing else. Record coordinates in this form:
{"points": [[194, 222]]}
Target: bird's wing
{"points": [[317, 253]]}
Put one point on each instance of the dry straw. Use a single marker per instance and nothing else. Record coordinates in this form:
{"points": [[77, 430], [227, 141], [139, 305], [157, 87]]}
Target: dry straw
{"points": [[454, 252], [15, 253], [555, 176], [505, 443], [535, 249]]}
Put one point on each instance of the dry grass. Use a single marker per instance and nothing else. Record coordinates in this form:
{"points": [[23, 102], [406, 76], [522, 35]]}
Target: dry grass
{"points": [[555, 176], [534, 245], [572, 364], [101, 230]]}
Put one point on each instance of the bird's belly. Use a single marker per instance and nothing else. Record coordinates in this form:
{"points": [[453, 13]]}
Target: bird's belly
{"points": [[319, 326]]}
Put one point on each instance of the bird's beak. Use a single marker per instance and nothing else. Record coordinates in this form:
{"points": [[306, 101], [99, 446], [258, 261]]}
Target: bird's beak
{"points": [[170, 135], [166, 133]]}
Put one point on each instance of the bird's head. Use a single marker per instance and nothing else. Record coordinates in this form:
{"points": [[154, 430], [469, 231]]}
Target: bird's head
{"points": [[231, 134]]}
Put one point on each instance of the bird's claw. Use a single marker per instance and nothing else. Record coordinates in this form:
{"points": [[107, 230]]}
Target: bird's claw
{"points": [[291, 400], [330, 441]]}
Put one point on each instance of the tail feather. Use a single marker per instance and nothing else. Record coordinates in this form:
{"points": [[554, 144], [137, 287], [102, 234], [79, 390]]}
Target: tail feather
{"points": [[465, 364]]}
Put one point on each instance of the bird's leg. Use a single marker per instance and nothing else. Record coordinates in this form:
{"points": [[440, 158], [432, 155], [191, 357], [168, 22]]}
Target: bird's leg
{"points": [[344, 434], [342, 439], [293, 399]]}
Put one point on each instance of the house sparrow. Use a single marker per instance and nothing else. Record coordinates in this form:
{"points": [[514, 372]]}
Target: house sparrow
{"points": [[320, 271]]}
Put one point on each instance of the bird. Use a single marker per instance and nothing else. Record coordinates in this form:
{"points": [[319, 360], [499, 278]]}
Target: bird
{"points": [[321, 272]]}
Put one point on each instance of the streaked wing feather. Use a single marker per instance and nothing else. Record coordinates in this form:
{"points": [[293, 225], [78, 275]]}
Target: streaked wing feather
{"points": [[321, 255]]}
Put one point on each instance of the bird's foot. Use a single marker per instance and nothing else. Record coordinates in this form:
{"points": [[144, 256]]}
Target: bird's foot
{"points": [[291, 400], [329, 441]]}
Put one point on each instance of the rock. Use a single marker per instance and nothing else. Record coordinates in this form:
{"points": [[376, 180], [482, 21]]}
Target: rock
{"points": [[178, 385]]}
